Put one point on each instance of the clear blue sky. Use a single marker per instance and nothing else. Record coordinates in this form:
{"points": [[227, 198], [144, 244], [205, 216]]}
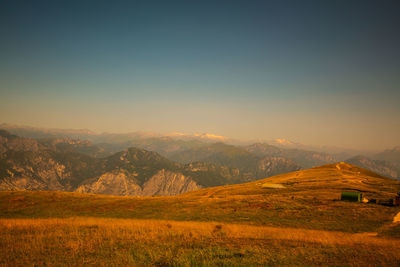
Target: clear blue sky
{"points": [[316, 72]]}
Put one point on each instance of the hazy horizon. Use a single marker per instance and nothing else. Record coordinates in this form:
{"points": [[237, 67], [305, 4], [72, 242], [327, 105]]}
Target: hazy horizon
{"points": [[324, 74], [274, 140]]}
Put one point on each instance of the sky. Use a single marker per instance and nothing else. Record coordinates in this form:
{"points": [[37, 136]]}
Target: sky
{"points": [[314, 72]]}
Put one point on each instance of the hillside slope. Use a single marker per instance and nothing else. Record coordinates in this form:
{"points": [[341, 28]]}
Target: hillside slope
{"points": [[305, 199]]}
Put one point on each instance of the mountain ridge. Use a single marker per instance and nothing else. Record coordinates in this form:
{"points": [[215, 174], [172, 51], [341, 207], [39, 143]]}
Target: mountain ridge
{"points": [[306, 199], [224, 163], [42, 165]]}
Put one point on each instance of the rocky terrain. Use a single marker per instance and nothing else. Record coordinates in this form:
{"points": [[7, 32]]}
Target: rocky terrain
{"points": [[126, 165], [163, 183], [59, 164]]}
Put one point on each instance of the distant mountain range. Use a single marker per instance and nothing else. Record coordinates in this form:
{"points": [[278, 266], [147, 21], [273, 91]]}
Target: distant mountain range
{"points": [[386, 163], [139, 136], [35, 132], [69, 165], [251, 165], [385, 168], [151, 164], [76, 165]]}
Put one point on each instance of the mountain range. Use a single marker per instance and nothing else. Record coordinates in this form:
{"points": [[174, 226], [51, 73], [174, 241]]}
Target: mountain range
{"points": [[61, 164], [136, 164]]}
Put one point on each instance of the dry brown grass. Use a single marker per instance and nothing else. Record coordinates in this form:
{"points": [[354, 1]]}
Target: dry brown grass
{"points": [[240, 225], [151, 229], [94, 241]]}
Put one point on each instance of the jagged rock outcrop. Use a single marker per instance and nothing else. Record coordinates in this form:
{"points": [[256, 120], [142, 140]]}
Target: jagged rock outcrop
{"points": [[163, 183], [111, 184], [44, 170], [167, 183]]}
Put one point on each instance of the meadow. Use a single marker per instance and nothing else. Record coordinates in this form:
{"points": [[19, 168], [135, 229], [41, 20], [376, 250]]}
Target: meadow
{"points": [[129, 242], [301, 223]]}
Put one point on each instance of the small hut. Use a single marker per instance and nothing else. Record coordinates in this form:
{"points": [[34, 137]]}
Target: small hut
{"points": [[351, 196]]}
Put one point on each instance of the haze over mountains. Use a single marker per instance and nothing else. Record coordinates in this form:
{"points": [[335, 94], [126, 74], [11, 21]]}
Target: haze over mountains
{"points": [[139, 164], [107, 137]]}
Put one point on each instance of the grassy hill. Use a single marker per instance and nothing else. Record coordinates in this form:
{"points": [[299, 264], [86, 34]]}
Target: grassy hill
{"points": [[309, 199], [290, 219]]}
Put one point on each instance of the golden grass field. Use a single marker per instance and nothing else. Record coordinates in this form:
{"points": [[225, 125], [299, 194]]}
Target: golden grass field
{"points": [[121, 242], [301, 223]]}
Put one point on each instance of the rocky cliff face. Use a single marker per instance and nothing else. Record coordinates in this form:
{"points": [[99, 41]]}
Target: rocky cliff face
{"points": [[44, 170], [111, 183], [163, 183], [167, 183]]}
